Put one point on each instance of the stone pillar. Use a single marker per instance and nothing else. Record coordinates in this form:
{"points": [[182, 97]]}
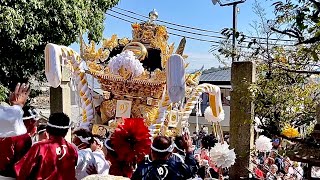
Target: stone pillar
{"points": [[241, 117], [60, 98]]}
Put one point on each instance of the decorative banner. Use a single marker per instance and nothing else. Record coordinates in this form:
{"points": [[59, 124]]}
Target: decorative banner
{"points": [[101, 130], [123, 109], [173, 118]]}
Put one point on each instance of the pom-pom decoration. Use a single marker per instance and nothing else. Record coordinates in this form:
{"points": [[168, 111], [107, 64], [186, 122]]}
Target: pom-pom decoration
{"points": [[126, 60], [131, 140], [290, 132], [263, 144], [208, 115], [222, 155]]}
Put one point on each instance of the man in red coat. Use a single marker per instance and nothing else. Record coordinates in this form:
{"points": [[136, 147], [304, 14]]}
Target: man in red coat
{"points": [[53, 159]]}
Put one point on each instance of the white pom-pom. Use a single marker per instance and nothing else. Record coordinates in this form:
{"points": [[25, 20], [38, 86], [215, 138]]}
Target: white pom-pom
{"points": [[263, 144], [208, 115], [222, 155], [127, 60]]}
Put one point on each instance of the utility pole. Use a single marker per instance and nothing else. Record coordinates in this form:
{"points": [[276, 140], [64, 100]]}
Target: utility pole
{"points": [[234, 23]]}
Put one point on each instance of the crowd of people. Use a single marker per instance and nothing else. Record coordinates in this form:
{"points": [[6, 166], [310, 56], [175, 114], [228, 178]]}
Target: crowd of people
{"points": [[31, 150], [40, 151], [273, 166]]}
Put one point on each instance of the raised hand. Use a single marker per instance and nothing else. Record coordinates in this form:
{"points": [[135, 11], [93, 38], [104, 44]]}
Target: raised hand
{"points": [[187, 142], [20, 94], [92, 170]]}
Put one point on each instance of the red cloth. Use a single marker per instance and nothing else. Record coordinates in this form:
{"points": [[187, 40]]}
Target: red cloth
{"points": [[258, 173], [54, 159], [12, 150]]}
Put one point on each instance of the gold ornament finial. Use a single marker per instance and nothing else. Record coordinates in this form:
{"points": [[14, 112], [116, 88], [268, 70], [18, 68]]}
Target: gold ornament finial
{"points": [[181, 46], [153, 16]]}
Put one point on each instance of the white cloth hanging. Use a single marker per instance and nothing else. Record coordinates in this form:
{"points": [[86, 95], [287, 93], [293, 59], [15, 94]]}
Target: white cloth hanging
{"points": [[176, 84], [53, 64]]}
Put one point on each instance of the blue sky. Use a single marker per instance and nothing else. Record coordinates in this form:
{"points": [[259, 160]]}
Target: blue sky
{"points": [[196, 13]]}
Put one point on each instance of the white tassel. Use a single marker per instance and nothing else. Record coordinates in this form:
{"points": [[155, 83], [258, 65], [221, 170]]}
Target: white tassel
{"points": [[176, 85]]}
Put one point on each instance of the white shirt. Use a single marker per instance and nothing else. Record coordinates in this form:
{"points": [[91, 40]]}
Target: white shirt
{"points": [[103, 165], [11, 122], [300, 174], [85, 159]]}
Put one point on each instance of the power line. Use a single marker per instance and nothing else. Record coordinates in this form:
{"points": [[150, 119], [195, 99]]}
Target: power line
{"points": [[199, 29], [219, 37], [198, 34], [216, 43], [179, 25], [210, 41]]}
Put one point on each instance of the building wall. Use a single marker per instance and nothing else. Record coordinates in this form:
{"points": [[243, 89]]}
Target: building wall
{"points": [[225, 124], [225, 95]]}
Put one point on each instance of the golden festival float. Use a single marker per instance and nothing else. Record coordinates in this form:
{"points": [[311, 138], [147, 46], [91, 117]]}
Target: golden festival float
{"points": [[143, 77]]}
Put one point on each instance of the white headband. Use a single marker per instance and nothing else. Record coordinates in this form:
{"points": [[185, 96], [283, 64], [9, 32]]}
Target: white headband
{"points": [[41, 131], [34, 115], [169, 149], [58, 127], [178, 147], [84, 140], [98, 140], [106, 145]]}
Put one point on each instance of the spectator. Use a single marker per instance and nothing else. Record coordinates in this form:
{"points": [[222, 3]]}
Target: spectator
{"points": [[86, 159], [164, 168], [52, 159], [103, 165], [42, 133], [272, 175]]}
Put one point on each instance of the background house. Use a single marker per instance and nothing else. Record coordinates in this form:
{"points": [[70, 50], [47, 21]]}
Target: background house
{"points": [[221, 78]]}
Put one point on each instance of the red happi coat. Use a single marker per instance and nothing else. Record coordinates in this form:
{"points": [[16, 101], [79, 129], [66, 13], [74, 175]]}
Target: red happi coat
{"points": [[12, 150], [54, 159]]}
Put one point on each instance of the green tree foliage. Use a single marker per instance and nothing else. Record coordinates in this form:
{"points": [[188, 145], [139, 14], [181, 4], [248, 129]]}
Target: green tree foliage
{"points": [[26, 26], [3, 93], [285, 97], [301, 19]]}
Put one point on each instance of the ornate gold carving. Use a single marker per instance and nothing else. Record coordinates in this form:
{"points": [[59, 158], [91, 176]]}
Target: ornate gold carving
{"points": [[94, 67], [106, 95], [181, 46], [108, 110], [150, 114], [144, 76], [111, 43], [90, 54], [126, 74], [193, 79], [159, 75], [146, 90], [101, 130], [123, 41]]}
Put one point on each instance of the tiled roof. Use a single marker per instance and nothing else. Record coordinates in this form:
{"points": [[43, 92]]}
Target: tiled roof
{"points": [[222, 75]]}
